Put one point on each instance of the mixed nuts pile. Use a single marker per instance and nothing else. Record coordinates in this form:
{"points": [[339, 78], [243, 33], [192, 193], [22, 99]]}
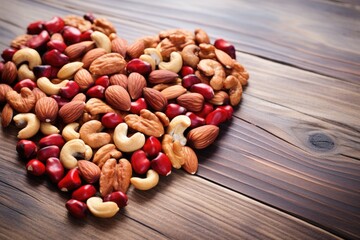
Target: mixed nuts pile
{"points": [[111, 114]]}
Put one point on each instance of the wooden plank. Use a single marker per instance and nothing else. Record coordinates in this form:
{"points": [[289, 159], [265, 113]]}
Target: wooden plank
{"points": [[180, 207]]}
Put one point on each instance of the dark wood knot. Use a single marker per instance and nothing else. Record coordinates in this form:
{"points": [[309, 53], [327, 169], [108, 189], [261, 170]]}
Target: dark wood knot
{"points": [[321, 142]]}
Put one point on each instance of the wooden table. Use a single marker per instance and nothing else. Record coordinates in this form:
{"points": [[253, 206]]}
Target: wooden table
{"points": [[286, 166]]}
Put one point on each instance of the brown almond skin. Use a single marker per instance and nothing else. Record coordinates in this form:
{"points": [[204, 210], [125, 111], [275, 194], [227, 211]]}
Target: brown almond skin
{"points": [[191, 101], [203, 136], [46, 109], [118, 97], [108, 64], [135, 84], [6, 115], [91, 55], [162, 76], [9, 73], [71, 111], [155, 99], [89, 171]]}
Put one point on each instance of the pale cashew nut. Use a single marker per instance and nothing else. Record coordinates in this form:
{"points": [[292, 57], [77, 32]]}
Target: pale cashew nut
{"points": [[27, 55], [149, 60], [190, 55], [102, 209], [30, 124], [48, 87], [151, 180], [177, 127], [48, 128], [88, 152], [91, 135], [154, 54], [175, 63], [235, 89], [24, 72], [213, 68], [69, 70], [72, 149], [125, 143], [70, 131], [101, 41]]}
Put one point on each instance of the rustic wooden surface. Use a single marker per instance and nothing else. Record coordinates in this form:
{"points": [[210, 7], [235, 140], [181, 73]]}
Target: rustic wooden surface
{"points": [[287, 165]]}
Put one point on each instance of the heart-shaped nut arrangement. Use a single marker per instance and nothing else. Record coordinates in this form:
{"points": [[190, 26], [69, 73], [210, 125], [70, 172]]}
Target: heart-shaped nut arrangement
{"points": [[113, 115]]}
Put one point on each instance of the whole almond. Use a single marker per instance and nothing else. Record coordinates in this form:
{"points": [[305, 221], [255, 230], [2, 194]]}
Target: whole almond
{"points": [[77, 50], [173, 92], [4, 88], [136, 49], [191, 161], [136, 83], [155, 99], [123, 175], [46, 109], [91, 55], [224, 58], [71, 111], [108, 64], [79, 97], [6, 115], [191, 101], [84, 79], [162, 76], [119, 45], [203, 136], [118, 97], [9, 73], [119, 79], [89, 171]]}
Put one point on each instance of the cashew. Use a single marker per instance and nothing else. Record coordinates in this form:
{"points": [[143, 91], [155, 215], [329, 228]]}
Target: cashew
{"points": [[177, 127], [69, 70], [154, 54], [235, 89], [127, 144], [175, 63], [190, 55], [24, 72], [27, 55], [88, 152], [148, 59], [101, 41], [91, 135], [48, 128], [70, 150], [102, 209], [213, 68], [30, 124], [48, 87], [151, 180], [70, 131]]}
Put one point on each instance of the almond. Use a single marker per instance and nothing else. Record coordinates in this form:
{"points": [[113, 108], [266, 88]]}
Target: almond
{"points": [[135, 84], [119, 79], [136, 49], [22, 102], [89, 171], [77, 50], [4, 88], [118, 97], [9, 73], [220, 98], [162, 76], [224, 58], [155, 99], [119, 45], [84, 79], [203, 136], [191, 101], [173, 92], [38, 93], [108, 64], [91, 55], [71, 111], [6, 115], [191, 161], [46, 109]]}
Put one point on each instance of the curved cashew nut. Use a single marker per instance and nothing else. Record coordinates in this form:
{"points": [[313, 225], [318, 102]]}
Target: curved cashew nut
{"points": [[101, 41], [70, 131], [235, 89], [30, 124], [27, 55], [190, 55], [48, 128], [88, 152], [175, 63], [151, 180], [177, 127], [154, 54], [69, 70], [91, 135], [24, 72], [127, 144], [213, 68], [72, 148], [48, 87], [148, 59], [102, 209]]}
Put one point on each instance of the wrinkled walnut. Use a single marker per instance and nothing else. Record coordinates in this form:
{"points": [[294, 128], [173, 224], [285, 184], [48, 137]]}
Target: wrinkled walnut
{"points": [[20, 41], [104, 26], [147, 123], [95, 106], [78, 22], [174, 151], [105, 153]]}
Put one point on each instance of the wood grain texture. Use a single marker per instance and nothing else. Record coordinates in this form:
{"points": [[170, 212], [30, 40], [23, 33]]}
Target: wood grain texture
{"points": [[293, 144]]}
